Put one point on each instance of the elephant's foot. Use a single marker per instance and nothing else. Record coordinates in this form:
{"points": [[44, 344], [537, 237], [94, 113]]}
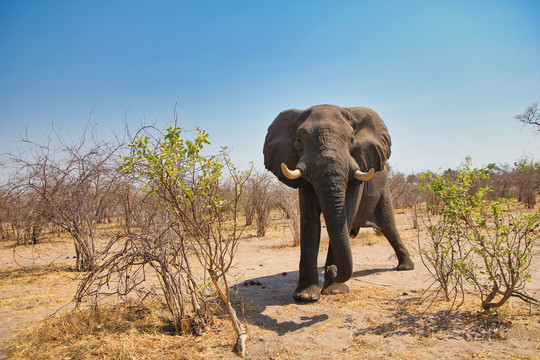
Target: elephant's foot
{"points": [[306, 293], [405, 264], [334, 288]]}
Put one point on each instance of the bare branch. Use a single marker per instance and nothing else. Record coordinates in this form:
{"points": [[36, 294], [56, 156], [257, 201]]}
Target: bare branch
{"points": [[531, 116]]}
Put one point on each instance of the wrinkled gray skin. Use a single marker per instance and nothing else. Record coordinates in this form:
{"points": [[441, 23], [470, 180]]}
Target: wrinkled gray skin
{"points": [[328, 144]]}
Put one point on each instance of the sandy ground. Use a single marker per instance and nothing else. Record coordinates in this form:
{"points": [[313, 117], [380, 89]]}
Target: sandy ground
{"points": [[379, 319]]}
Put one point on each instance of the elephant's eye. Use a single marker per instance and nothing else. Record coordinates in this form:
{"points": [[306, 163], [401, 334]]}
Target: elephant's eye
{"points": [[352, 140], [298, 146]]}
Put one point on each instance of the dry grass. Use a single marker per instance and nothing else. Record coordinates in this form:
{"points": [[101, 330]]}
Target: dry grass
{"points": [[118, 332], [33, 288], [36, 275], [368, 237]]}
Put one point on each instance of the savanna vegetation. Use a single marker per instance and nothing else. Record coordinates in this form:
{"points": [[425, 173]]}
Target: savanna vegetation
{"points": [[155, 223]]}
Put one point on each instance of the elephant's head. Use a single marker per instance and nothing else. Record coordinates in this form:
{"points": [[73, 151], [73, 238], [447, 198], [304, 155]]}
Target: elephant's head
{"points": [[331, 148]]}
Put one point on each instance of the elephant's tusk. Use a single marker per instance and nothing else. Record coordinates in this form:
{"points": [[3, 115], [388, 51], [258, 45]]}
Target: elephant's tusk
{"points": [[362, 176], [291, 174]]}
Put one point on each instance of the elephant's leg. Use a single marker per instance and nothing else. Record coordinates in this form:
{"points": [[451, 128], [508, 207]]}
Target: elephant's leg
{"points": [[310, 235], [354, 192], [330, 287], [385, 221]]}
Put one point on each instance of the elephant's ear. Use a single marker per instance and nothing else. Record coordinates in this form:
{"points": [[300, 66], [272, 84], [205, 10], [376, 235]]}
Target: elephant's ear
{"points": [[279, 146], [373, 142]]}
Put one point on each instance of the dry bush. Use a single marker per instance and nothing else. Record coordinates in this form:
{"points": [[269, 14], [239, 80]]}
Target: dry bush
{"points": [[368, 237], [21, 217], [286, 199], [522, 182], [69, 183], [136, 258], [527, 179], [257, 200], [403, 189]]}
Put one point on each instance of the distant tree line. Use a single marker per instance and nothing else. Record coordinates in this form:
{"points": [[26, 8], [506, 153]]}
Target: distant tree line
{"points": [[57, 186], [520, 182], [80, 189]]}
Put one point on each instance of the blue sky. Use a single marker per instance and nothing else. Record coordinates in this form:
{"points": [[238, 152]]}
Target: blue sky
{"points": [[447, 77]]}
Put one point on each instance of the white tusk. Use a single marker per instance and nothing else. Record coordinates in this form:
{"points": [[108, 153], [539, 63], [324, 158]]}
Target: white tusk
{"points": [[362, 176], [291, 174]]}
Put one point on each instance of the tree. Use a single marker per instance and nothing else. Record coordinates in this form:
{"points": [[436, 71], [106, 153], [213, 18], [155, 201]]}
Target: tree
{"points": [[258, 191], [531, 116], [402, 189], [286, 198], [71, 183], [20, 215], [527, 177]]}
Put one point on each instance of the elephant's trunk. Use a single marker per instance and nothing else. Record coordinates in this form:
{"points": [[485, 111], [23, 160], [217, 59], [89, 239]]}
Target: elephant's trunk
{"points": [[333, 207]]}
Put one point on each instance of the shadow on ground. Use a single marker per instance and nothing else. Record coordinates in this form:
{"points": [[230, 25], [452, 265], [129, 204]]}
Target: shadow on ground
{"points": [[362, 273], [268, 304], [453, 324], [263, 297]]}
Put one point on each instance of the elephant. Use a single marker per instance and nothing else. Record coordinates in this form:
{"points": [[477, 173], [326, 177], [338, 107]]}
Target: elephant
{"points": [[337, 156]]}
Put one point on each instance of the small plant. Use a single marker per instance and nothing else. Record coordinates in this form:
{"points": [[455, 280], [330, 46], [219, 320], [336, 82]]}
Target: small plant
{"points": [[476, 241]]}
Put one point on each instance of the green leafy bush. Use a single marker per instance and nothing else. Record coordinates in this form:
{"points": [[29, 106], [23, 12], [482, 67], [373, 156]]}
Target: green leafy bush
{"points": [[188, 185], [196, 218], [475, 241]]}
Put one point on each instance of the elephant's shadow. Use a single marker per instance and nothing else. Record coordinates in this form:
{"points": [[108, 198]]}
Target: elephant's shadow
{"points": [[262, 297]]}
